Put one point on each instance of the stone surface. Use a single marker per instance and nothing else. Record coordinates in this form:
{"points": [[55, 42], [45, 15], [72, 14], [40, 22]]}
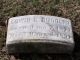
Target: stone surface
{"points": [[39, 33]]}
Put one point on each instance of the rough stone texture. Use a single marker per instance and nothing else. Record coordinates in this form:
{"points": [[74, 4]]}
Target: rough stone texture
{"points": [[39, 34]]}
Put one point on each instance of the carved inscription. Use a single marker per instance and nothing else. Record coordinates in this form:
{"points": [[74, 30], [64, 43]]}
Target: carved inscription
{"points": [[39, 27]]}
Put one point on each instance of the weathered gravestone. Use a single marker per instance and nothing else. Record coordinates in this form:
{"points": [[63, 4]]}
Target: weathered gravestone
{"points": [[39, 34]]}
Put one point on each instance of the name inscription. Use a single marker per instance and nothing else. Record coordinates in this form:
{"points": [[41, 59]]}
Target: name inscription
{"points": [[39, 27]]}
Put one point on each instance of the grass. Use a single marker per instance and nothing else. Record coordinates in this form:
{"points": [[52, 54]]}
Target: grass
{"points": [[62, 8]]}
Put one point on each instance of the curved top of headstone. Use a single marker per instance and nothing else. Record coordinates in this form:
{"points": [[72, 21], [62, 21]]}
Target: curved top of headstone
{"points": [[39, 28]]}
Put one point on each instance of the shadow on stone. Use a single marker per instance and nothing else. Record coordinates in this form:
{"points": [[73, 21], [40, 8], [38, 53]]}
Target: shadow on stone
{"points": [[43, 56], [74, 56]]}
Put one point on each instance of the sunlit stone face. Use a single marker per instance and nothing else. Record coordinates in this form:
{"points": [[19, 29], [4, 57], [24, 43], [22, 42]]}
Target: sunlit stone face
{"points": [[39, 28]]}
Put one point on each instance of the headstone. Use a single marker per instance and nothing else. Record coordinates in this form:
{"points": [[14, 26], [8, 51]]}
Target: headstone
{"points": [[39, 34]]}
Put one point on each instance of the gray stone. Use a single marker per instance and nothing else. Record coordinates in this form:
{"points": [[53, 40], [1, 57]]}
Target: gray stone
{"points": [[39, 34]]}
